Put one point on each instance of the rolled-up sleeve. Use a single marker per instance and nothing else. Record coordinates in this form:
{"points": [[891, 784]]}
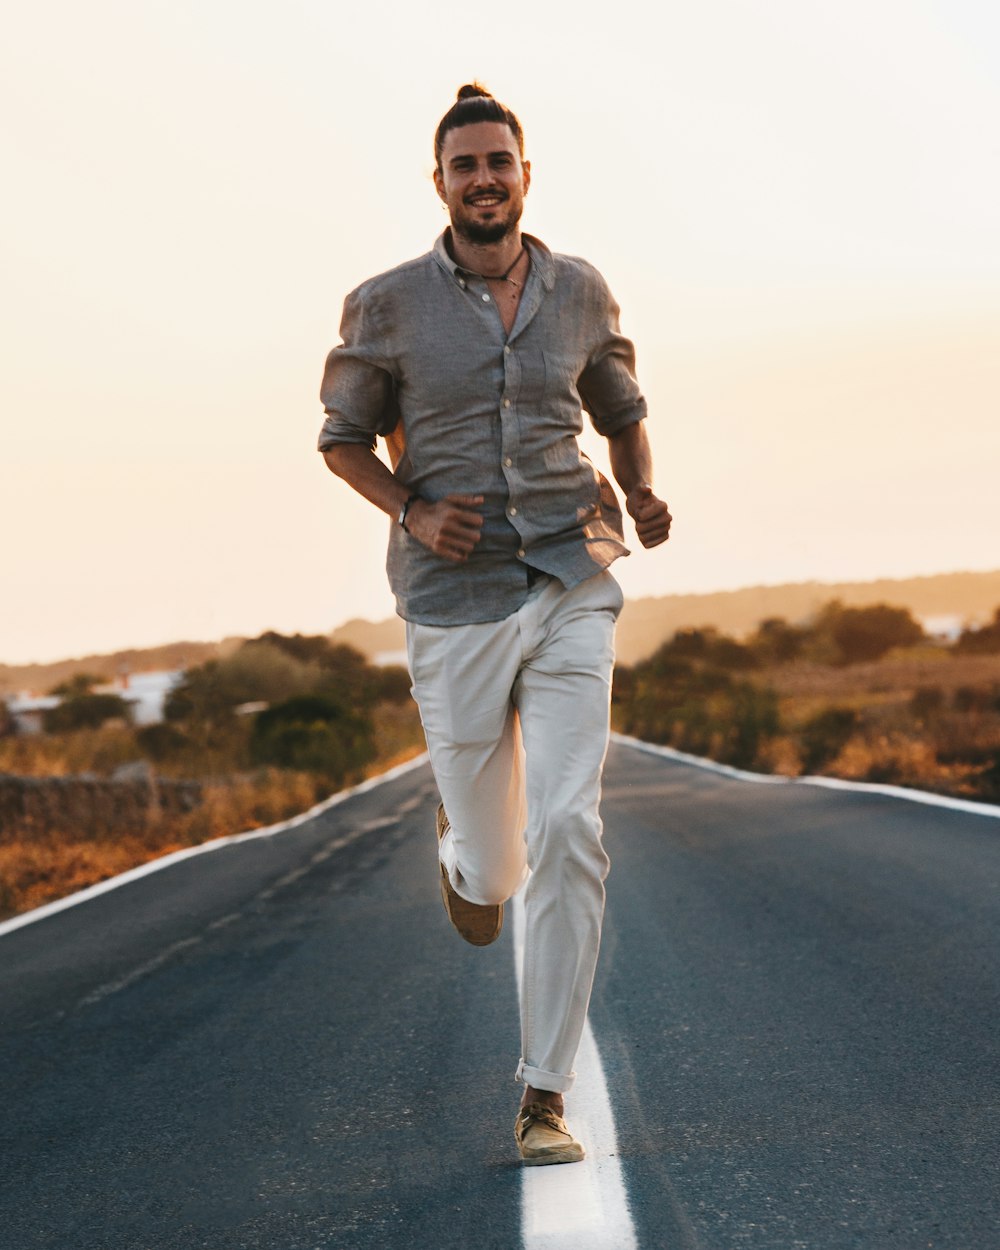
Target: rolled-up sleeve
{"points": [[358, 391], [608, 386]]}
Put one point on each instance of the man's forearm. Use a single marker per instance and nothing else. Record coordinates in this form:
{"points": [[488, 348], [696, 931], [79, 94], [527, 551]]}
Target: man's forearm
{"points": [[449, 527], [362, 470], [631, 458], [632, 465]]}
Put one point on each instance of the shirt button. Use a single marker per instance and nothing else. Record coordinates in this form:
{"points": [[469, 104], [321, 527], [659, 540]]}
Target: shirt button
{"points": [[512, 512], [508, 462], [506, 351], [486, 299], [520, 552], [506, 403]]}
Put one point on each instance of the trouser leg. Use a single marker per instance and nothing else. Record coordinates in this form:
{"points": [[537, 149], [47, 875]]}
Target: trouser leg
{"points": [[462, 681], [563, 697], [544, 673]]}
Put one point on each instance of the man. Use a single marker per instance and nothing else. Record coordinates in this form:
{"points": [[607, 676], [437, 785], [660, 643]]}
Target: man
{"points": [[473, 362]]}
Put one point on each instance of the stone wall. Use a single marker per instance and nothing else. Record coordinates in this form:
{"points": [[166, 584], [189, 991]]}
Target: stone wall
{"points": [[91, 807]]}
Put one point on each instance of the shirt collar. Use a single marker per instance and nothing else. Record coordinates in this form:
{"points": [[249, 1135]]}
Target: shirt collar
{"points": [[540, 255]]}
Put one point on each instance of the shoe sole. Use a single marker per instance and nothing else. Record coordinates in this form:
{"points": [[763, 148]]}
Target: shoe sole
{"points": [[571, 1154]]}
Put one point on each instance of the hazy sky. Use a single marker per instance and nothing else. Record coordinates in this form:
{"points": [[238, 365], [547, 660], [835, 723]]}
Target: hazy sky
{"points": [[796, 203]]}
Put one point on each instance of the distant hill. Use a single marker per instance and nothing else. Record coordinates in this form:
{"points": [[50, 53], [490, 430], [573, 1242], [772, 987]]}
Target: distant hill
{"points": [[172, 655], [644, 624]]}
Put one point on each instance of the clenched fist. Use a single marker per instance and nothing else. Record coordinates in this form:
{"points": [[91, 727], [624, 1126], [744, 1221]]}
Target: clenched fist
{"points": [[450, 528], [651, 516]]}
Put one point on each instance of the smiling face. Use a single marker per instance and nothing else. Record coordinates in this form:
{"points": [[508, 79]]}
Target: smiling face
{"points": [[483, 181]]}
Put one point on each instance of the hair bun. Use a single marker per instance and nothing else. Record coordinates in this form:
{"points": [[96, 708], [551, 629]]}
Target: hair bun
{"points": [[472, 89]]}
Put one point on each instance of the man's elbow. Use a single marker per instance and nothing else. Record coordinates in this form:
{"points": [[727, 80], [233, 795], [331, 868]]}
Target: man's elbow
{"points": [[340, 457]]}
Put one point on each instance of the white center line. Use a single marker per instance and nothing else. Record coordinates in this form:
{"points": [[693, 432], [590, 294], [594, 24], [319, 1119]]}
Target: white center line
{"points": [[577, 1206]]}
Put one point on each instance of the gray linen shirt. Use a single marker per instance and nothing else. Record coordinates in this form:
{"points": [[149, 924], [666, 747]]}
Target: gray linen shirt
{"points": [[491, 414]]}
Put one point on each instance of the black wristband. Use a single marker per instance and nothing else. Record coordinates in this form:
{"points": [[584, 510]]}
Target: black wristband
{"points": [[405, 509]]}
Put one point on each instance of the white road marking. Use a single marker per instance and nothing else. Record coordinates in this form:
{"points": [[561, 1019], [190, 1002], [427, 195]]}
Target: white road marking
{"points": [[577, 1206], [226, 920], [291, 877], [113, 987], [829, 783], [204, 848]]}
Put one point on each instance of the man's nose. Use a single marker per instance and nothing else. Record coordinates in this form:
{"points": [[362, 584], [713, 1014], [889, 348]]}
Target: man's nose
{"points": [[483, 174]]}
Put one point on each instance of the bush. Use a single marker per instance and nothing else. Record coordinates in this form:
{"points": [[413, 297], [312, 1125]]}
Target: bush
{"points": [[275, 668], [693, 705], [709, 645], [985, 641], [976, 699], [79, 683], [85, 711], [861, 634], [825, 735], [777, 642], [313, 734], [927, 703]]}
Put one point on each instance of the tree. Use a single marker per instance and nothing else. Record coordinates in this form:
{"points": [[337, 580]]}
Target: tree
{"points": [[777, 642], [985, 641], [85, 711], [313, 734], [79, 683], [867, 633]]}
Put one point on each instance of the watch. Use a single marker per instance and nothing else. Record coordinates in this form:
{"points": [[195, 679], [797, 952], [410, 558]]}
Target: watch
{"points": [[405, 509]]}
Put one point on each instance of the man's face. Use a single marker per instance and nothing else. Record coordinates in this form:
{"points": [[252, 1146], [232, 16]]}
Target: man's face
{"points": [[483, 181]]}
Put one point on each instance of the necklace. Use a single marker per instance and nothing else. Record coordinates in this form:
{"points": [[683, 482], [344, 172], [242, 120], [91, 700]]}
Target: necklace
{"points": [[501, 277]]}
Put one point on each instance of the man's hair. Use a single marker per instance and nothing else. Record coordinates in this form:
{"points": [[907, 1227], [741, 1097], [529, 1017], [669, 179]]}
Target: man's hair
{"points": [[475, 104]]}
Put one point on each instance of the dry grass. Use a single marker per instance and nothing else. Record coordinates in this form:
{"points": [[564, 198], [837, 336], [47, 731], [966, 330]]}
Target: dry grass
{"points": [[39, 865], [948, 750]]}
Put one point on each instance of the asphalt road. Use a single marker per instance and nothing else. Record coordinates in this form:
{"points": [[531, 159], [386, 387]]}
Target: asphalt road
{"points": [[281, 1044]]}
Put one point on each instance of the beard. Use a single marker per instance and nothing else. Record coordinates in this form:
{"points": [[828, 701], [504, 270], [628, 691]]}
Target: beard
{"points": [[488, 232]]}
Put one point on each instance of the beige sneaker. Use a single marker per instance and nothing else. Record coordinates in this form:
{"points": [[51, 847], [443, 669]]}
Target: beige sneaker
{"points": [[542, 1137], [478, 923]]}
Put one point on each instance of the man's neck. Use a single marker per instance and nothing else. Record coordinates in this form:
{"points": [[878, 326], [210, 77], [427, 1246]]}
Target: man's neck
{"points": [[489, 259]]}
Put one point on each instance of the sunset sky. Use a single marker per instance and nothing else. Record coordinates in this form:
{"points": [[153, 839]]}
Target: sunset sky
{"points": [[797, 205]]}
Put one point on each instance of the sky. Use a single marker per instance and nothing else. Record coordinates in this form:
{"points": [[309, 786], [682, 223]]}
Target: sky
{"points": [[796, 204]]}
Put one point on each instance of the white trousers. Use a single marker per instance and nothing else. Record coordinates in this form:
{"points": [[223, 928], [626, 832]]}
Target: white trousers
{"points": [[516, 715]]}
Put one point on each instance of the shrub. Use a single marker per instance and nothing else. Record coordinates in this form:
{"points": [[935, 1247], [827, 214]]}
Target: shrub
{"points": [[777, 642], [85, 711], [313, 734], [79, 683], [985, 641], [868, 633], [968, 699], [825, 734], [714, 648], [927, 703]]}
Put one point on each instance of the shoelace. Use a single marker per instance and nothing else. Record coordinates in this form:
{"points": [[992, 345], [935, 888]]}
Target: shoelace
{"points": [[537, 1112]]}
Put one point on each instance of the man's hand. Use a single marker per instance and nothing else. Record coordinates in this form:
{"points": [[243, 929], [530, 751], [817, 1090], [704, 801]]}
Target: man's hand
{"points": [[651, 515], [450, 528]]}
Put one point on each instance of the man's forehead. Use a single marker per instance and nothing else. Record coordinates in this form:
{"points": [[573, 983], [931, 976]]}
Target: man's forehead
{"points": [[477, 139]]}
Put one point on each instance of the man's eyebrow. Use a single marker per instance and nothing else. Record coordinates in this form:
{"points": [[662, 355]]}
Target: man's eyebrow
{"points": [[471, 156]]}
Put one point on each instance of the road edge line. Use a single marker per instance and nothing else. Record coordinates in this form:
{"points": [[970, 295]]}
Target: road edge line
{"points": [[203, 848], [552, 1196], [991, 810]]}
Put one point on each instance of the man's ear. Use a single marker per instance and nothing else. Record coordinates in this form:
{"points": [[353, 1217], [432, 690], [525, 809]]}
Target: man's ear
{"points": [[439, 184], [526, 167]]}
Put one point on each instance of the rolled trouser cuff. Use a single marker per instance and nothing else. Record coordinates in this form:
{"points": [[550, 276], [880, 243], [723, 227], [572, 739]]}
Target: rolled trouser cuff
{"points": [[538, 1078]]}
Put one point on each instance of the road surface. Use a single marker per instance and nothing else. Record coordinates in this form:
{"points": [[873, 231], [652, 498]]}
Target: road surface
{"points": [[281, 1044]]}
